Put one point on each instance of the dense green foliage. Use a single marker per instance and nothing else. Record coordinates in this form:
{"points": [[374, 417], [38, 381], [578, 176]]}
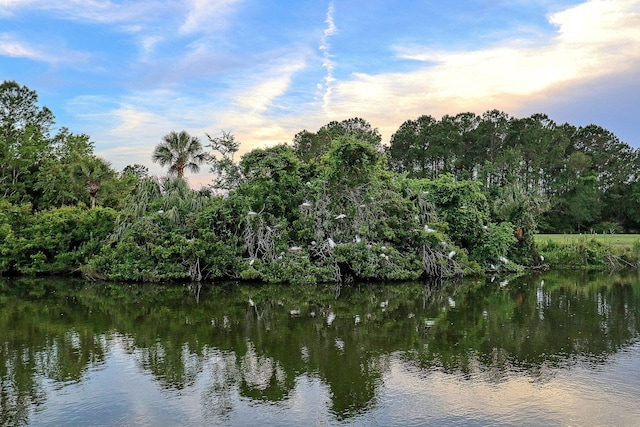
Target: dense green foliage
{"points": [[587, 175], [463, 195]]}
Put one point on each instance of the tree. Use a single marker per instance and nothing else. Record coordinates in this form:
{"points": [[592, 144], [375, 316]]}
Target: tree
{"points": [[19, 111], [180, 151], [271, 180], [425, 147], [222, 161], [93, 172], [24, 140], [54, 183], [522, 207], [136, 170], [357, 128], [611, 159], [308, 145]]}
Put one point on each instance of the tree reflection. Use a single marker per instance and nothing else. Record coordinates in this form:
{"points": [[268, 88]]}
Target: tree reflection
{"points": [[256, 342]]}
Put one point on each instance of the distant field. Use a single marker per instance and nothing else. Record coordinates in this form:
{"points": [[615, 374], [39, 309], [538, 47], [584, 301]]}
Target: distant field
{"points": [[620, 240]]}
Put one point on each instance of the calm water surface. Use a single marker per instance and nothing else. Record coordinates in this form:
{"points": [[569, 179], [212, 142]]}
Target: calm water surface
{"points": [[547, 350]]}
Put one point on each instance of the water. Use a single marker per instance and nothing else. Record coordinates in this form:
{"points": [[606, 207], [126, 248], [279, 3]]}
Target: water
{"points": [[545, 350]]}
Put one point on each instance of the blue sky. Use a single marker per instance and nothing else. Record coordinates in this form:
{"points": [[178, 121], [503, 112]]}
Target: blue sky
{"points": [[127, 72]]}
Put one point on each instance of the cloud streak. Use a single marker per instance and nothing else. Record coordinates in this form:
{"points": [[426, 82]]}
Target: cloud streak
{"points": [[12, 46], [327, 62], [205, 16]]}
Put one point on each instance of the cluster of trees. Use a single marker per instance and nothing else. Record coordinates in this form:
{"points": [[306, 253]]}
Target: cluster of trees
{"points": [[49, 170], [588, 176], [335, 205]]}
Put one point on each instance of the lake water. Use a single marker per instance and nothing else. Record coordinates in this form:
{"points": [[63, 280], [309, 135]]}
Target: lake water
{"points": [[544, 350]]}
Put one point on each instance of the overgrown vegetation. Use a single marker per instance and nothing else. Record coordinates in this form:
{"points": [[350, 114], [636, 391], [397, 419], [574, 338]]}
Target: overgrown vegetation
{"points": [[460, 196]]}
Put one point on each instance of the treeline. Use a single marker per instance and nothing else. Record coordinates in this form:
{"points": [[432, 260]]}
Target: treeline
{"points": [[589, 177], [335, 205]]}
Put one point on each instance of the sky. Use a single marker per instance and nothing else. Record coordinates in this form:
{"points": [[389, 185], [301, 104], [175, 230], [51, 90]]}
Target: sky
{"points": [[127, 72]]}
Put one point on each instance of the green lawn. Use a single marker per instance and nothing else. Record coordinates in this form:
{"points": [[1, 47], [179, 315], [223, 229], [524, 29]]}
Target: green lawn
{"points": [[618, 240]]}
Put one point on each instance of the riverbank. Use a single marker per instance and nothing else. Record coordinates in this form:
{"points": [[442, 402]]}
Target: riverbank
{"points": [[589, 251]]}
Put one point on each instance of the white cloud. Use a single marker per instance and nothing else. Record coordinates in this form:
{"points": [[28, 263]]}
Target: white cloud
{"points": [[208, 15], [101, 11], [12, 46], [593, 39], [148, 45]]}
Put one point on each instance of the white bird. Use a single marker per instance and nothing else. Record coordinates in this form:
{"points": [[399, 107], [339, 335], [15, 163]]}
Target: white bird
{"points": [[428, 230], [356, 319], [306, 203], [504, 283], [341, 216], [330, 318], [294, 312], [384, 304], [485, 228], [358, 239], [541, 258], [295, 248], [331, 243], [251, 303], [251, 213], [160, 211], [503, 260], [313, 243], [451, 254], [452, 303], [252, 261]]}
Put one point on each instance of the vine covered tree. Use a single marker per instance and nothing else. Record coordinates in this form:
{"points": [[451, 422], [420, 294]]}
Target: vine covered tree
{"points": [[180, 151], [308, 145]]}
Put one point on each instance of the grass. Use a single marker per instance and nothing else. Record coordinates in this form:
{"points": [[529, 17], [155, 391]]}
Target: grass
{"points": [[622, 241]]}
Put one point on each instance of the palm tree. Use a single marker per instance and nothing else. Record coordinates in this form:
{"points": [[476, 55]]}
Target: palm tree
{"points": [[180, 151], [93, 172]]}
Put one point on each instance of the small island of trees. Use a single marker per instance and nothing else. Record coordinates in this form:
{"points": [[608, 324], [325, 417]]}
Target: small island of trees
{"points": [[463, 195]]}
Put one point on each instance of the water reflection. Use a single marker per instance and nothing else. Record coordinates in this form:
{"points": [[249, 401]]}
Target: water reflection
{"points": [[219, 354]]}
